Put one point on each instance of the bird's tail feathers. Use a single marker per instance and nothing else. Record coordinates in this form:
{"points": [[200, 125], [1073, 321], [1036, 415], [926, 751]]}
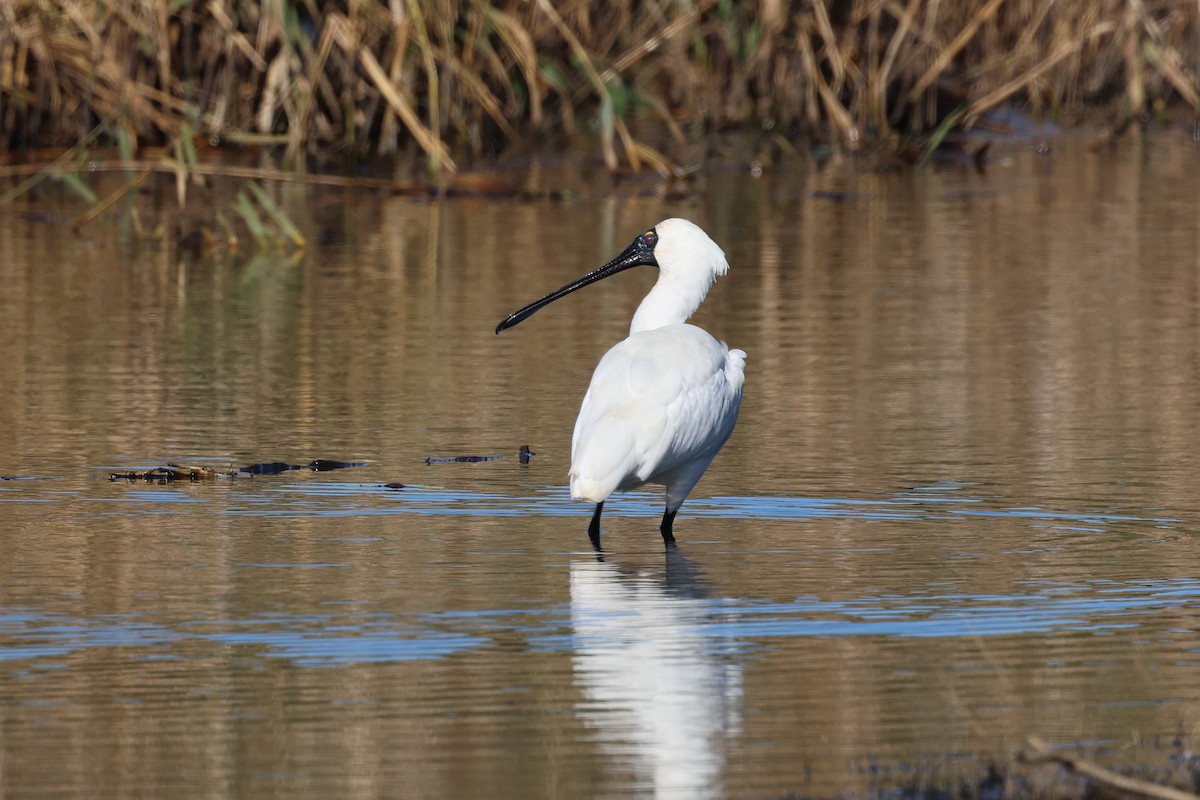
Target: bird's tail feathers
{"points": [[589, 489]]}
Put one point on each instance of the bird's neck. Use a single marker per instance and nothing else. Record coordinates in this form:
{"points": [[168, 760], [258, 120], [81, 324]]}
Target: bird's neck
{"points": [[670, 302]]}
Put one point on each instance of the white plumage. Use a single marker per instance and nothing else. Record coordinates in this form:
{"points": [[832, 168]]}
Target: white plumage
{"points": [[659, 407], [661, 403]]}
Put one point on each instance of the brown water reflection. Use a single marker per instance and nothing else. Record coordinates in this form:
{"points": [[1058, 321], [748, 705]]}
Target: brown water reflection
{"points": [[957, 509]]}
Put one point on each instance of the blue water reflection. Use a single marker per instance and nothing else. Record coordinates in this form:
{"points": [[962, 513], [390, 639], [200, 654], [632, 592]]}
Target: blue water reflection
{"points": [[331, 499], [611, 609]]}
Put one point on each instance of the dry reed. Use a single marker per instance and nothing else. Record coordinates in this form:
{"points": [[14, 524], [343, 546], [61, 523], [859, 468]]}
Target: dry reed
{"points": [[465, 78]]}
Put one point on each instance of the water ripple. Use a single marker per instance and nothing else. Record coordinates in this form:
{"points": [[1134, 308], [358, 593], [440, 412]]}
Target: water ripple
{"points": [[322, 640]]}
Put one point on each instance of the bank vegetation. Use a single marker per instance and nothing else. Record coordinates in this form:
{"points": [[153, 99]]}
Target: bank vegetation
{"points": [[640, 83]]}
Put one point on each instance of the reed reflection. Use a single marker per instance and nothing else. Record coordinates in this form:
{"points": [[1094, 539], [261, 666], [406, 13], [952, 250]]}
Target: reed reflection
{"points": [[663, 693]]}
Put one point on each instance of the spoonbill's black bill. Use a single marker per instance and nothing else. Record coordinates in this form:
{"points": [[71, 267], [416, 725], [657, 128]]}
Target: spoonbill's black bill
{"points": [[664, 401]]}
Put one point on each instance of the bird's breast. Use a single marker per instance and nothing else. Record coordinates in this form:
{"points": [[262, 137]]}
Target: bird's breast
{"points": [[660, 394]]}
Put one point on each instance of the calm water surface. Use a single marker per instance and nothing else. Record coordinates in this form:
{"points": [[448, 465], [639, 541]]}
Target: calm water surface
{"points": [[959, 507]]}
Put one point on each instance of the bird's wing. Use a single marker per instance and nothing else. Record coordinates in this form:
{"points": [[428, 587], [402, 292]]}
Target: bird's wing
{"points": [[657, 399]]}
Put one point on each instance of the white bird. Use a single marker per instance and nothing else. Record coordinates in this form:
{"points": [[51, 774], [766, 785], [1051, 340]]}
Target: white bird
{"points": [[663, 402]]}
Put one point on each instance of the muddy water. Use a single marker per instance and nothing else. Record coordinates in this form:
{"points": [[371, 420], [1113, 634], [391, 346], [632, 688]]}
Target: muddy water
{"points": [[959, 507]]}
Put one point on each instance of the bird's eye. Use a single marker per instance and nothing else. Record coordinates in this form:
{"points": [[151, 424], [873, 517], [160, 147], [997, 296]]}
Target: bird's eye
{"points": [[651, 237]]}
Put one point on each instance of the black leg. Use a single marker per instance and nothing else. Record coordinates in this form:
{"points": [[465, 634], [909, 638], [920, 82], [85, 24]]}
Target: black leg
{"points": [[668, 524], [594, 527]]}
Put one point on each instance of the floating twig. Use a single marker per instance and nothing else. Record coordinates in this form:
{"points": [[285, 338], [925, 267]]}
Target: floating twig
{"points": [[1094, 772]]}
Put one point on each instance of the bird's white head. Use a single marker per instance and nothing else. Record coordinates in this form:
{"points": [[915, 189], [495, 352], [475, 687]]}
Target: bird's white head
{"points": [[683, 245], [688, 263]]}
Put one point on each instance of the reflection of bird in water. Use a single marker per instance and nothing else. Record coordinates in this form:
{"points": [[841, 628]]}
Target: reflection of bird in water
{"points": [[663, 401], [662, 692]]}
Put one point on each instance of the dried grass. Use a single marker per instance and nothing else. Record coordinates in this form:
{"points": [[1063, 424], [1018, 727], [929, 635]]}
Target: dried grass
{"points": [[360, 77]]}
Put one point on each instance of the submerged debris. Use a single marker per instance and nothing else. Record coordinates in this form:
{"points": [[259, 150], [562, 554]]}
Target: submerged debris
{"points": [[267, 468], [169, 473], [523, 455], [176, 472], [1152, 770], [324, 465], [1098, 777], [316, 465]]}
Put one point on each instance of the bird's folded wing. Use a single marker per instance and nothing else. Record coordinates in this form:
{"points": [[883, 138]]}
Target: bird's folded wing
{"points": [[654, 401]]}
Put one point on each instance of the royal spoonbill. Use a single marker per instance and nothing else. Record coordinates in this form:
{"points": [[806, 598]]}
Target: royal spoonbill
{"points": [[663, 402]]}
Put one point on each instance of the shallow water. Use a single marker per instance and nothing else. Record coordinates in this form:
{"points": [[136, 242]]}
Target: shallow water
{"points": [[958, 508]]}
